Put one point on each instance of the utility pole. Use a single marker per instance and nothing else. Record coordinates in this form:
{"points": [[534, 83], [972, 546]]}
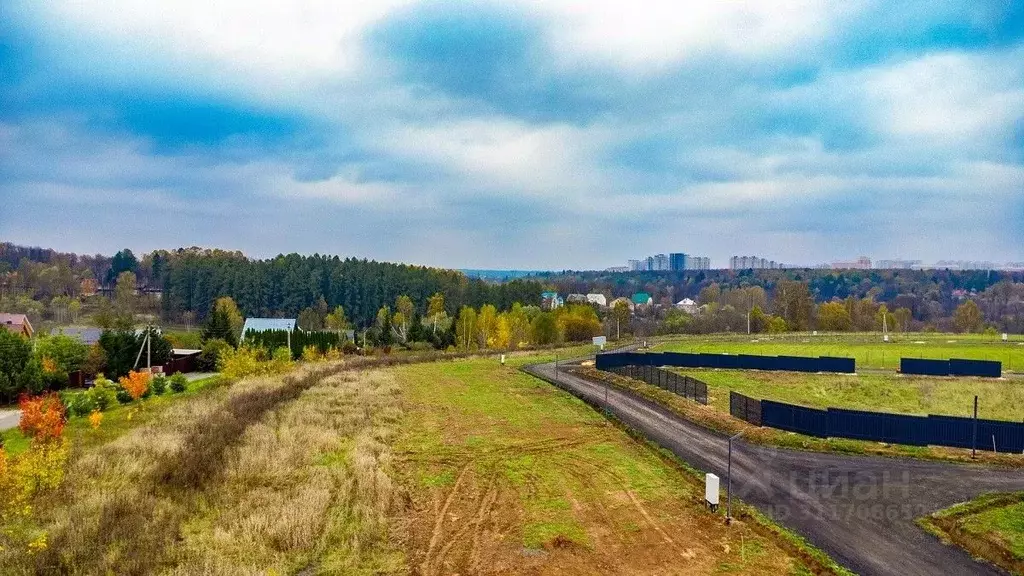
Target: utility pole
{"points": [[149, 352], [728, 486]]}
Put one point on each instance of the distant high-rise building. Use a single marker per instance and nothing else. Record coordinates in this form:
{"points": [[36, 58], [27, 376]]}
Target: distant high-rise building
{"points": [[862, 263], [897, 264], [752, 263], [698, 263], [661, 263], [677, 261], [965, 265], [635, 265], [650, 263]]}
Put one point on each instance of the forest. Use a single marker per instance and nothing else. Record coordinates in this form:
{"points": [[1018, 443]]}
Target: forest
{"points": [[189, 281]]}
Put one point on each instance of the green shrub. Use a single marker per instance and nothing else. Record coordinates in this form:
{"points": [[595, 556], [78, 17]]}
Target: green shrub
{"points": [[212, 351], [103, 394], [178, 383], [123, 396], [78, 403], [280, 360], [158, 385]]}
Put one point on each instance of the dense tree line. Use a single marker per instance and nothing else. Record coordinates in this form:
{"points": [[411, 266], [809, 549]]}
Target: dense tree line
{"points": [[286, 285], [191, 279]]}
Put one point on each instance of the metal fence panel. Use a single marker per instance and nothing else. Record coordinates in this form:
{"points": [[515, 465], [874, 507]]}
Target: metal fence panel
{"points": [[924, 367], [951, 431], [878, 427], [711, 360], [793, 418], [985, 368], [837, 365]]}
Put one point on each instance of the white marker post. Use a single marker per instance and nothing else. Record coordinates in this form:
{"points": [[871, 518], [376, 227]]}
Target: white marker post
{"points": [[711, 485]]}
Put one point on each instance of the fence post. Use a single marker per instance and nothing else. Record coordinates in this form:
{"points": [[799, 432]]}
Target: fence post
{"points": [[974, 442]]}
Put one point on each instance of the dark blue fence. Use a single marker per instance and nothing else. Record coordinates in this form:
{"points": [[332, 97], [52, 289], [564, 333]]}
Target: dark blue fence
{"points": [[794, 418], [610, 360], [959, 433], [932, 430], [985, 368], [952, 367], [676, 383], [878, 427]]}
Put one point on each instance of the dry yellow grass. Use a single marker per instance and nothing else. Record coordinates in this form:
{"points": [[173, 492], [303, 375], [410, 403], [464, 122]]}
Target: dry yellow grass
{"points": [[307, 489], [122, 506]]}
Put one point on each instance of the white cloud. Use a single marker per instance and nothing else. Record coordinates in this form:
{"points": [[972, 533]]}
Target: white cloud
{"points": [[251, 42], [506, 156], [951, 96], [650, 35]]}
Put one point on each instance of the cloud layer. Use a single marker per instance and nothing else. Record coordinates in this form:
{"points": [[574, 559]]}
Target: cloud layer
{"points": [[517, 134]]}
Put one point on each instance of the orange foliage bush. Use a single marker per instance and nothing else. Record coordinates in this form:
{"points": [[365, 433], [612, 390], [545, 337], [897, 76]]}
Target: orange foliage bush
{"points": [[136, 383], [95, 419], [42, 417], [49, 365]]}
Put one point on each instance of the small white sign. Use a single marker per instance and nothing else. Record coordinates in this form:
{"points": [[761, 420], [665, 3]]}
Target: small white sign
{"points": [[815, 333], [885, 338], [502, 359], [600, 341], [711, 490], [1005, 336]]}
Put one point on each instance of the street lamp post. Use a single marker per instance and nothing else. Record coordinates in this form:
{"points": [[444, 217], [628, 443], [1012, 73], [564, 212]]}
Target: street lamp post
{"points": [[728, 480]]}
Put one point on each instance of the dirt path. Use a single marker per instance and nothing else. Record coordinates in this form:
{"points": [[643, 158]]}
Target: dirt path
{"points": [[859, 509], [9, 419]]}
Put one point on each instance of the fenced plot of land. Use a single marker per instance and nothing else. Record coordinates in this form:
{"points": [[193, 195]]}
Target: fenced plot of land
{"points": [[998, 399], [869, 350], [507, 474]]}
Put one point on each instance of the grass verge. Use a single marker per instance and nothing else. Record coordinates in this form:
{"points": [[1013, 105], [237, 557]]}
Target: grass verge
{"points": [[989, 528]]}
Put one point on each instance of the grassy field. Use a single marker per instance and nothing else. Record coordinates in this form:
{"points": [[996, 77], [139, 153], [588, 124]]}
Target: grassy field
{"points": [[998, 399], [268, 475], [990, 527], [506, 474], [868, 349], [456, 466]]}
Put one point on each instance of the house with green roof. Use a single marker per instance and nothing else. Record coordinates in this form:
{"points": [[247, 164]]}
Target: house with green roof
{"points": [[642, 299]]}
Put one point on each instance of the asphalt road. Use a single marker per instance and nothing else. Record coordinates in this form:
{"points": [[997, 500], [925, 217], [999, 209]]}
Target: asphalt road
{"points": [[859, 509]]}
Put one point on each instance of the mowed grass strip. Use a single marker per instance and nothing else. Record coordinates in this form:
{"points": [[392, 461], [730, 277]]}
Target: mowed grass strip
{"points": [[868, 349], [506, 474]]}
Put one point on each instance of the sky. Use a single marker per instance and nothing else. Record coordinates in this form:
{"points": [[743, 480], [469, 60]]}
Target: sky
{"points": [[516, 134]]}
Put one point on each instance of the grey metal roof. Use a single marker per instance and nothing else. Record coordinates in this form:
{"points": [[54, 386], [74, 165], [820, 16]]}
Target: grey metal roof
{"points": [[87, 336], [260, 324]]}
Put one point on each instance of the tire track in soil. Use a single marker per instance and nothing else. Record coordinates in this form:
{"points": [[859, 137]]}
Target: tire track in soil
{"points": [[482, 500]]}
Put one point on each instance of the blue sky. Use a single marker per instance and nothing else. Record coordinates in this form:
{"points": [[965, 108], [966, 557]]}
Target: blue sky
{"points": [[516, 134]]}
